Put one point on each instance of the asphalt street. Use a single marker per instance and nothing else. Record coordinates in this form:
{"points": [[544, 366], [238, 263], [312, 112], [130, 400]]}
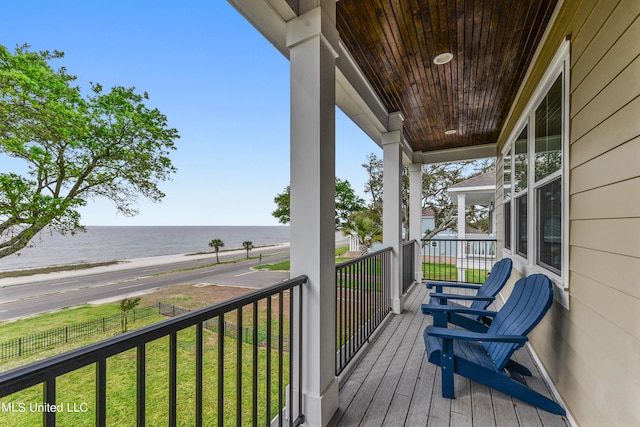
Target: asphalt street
{"points": [[26, 299]]}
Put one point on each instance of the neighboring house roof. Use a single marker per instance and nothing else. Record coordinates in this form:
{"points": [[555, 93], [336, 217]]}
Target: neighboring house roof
{"points": [[472, 230], [428, 212], [479, 190], [485, 180]]}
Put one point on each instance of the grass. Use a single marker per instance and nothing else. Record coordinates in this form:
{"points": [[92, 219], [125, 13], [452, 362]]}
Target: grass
{"points": [[56, 319], [62, 318], [78, 387], [286, 265], [449, 272]]}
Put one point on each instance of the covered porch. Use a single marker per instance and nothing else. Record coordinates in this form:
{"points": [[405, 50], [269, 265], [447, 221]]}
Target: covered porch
{"points": [[381, 63], [428, 82], [393, 384]]}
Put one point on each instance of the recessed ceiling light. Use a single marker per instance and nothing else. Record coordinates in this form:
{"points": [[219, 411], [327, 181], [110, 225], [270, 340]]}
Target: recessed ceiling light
{"points": [[443, 58], [450, 132]]}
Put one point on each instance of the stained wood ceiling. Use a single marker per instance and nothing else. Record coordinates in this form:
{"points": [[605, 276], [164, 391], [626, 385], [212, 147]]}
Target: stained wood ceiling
{"points": [[493, 41]]}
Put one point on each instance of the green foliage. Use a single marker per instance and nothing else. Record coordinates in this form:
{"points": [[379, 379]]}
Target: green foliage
{"points": [[436, 179], [373, 186], [366, 227], [248, 246], [216, 244], [347, 202], [75, 148], [283, 206], [126, 305]]}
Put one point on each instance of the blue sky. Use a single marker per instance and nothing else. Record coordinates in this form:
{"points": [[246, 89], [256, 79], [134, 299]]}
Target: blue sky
{"points": [[219, 82]]}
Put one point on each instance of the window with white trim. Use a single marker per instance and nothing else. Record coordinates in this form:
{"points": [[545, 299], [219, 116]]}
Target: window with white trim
{"points": [[535, 178]]}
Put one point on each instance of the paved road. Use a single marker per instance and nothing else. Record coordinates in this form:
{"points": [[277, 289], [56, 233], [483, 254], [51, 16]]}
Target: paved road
{"points": [[63, 291]]}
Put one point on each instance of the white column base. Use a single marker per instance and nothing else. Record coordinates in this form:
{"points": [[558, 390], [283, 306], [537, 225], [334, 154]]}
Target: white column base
{"points": [[397, 305], [318, 410]]}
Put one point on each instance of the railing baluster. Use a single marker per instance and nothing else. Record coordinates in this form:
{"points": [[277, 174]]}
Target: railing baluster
{"points": [[101, 393], [254, 387], [362, 303], [221, 370], [141, 385], [239, 368], [291, 373], [49, 417], [199, 351], [173, 378], [280, 357], [466, 260], [300, 349], [268, 379]]}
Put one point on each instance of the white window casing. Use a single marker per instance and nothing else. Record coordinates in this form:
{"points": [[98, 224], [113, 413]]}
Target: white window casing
{"points": [[529, 264]]}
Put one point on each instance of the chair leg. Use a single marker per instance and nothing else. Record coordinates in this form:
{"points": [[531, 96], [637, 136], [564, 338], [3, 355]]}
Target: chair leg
{"points": [[447, 370], [515, 366], [503, 383]]}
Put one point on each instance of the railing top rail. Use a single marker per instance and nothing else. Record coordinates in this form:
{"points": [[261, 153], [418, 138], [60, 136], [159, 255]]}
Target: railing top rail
{"points": [[357, 260], [409, 242], [38, 372]]}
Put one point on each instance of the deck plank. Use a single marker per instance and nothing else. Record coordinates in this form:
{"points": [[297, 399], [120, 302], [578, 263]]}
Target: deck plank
{"points": [[394, 385]]}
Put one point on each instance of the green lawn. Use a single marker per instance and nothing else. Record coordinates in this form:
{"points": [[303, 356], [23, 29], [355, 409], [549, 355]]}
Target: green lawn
{"points": [[286, 265], [79, 386], [449, 272]]}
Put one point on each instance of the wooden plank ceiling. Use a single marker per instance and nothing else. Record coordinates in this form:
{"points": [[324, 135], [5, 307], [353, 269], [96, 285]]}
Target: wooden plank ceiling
{"points": [[492, 41]]}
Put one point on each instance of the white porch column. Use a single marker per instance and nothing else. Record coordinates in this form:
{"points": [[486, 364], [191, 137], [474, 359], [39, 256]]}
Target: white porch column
{"points": [[462, 234], [415, 215], [392, 204], [312, 38]]}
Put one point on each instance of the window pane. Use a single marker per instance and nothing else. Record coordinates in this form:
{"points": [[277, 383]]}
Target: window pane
{"points": [[550, 225], [548, 147], [507, 225], [506, 182], [521, 161], [521, 225]]}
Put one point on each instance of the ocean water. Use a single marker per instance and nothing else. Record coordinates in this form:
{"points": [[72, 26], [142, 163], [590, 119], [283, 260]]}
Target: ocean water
{"points": [[109, 243]]}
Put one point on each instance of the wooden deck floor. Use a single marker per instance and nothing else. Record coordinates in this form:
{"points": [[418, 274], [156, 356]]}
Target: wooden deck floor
{"points": [[394, 385]]}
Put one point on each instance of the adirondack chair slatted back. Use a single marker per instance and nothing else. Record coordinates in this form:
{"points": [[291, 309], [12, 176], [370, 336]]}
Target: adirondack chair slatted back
{"points": [[526, 306], [495, 281]]}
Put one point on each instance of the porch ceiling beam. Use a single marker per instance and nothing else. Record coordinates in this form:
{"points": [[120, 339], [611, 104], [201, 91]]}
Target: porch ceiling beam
{"points": [[456, 154], [270, 18]]}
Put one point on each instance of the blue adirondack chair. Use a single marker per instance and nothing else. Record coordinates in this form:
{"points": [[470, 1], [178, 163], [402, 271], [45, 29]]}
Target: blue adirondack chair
{"points": [[485, 357], [485, 295]]}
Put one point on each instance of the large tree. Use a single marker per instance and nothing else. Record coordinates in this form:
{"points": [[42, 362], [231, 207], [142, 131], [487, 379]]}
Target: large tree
{"points": [[436, 179], [74, 147], [347, 203]]}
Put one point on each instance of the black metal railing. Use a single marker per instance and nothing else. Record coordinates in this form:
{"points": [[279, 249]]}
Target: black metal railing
{"points": [[31, 343], [174, 372], [408, 264], [459, 260], [363, 300], [229, 328]]}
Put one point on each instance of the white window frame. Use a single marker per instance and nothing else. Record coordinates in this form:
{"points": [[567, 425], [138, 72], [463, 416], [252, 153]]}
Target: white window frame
{"points": [[560, 65]]}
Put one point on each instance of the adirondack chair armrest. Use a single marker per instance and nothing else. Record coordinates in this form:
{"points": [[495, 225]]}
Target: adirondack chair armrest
{"points": [[461, 297], [437, 308], [461, 334], [440, 284]]}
